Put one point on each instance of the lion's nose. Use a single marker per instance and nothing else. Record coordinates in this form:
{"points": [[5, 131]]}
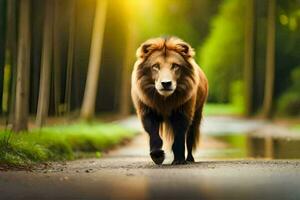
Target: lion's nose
{"points": [[166, 84]]}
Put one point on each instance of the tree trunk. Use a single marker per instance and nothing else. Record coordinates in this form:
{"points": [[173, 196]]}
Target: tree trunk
{"points": [[11, 47], [56, 59], [70, 59], [23, 66], [37, 26], [88, 106], [270, 61], [131, 41], [2, 49], [249, 56], [44, 91]]}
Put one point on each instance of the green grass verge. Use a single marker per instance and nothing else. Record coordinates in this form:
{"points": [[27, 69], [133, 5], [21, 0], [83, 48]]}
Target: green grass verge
{"points": [[59, 142], [222, 109], [296, 128]]}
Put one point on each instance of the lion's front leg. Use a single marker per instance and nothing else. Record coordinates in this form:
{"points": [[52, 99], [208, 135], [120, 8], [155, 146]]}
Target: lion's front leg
{"points": [[151, 122], [180, 125]]}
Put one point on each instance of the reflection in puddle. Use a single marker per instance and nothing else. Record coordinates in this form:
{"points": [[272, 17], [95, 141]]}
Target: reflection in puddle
{"points": [[251, 146]]}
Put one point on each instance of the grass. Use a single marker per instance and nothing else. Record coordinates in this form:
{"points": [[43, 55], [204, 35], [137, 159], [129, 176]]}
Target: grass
{"points": [[222, 109], [296, 128], [64, 142]]}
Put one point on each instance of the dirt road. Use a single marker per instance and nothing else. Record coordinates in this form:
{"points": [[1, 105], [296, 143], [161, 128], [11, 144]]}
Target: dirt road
{"points": [[128, 173]]}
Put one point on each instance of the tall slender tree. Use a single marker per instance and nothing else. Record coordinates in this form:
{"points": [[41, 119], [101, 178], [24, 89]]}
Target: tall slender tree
{"points": [[126, 71], [249, 56], [270, 60], [37, 25], [44, 90], [131, 43], [88, 106], [70, 59], [11, 48], [23, 66], [56, 57], [2, 47]]}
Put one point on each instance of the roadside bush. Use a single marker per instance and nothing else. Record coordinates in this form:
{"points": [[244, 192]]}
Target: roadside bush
{"points": [[289, 102]]}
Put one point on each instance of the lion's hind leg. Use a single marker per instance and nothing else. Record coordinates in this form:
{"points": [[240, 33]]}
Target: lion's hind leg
{"points": [[193, 135]]}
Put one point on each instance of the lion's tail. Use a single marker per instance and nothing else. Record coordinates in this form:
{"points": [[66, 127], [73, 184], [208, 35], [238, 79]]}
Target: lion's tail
{"points": [[166, 132]]}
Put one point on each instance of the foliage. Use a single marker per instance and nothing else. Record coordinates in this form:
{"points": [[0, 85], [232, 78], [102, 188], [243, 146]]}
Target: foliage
{"points": [[222, 109], [236, 94], [296, 128], [162, 18], [188, 20], [295, 77], [222, 52], [289, 102], [287, 45], [59, 142]]}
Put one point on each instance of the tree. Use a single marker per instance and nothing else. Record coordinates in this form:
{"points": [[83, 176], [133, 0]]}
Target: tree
{"points": [[131, 44], [70, 56], [37, 26], [88, 106], [44, 91], [2, 48], [11, 48], [57, 57], [270, 60], [131, 34], [249, 56], [223, 68], [22, 87]]}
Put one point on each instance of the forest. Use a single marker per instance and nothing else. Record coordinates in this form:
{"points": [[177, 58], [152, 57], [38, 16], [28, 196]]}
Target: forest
{"points": [[71, 60]]}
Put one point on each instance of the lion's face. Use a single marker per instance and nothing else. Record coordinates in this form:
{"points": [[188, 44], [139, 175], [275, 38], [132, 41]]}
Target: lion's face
{"points": [[164, 68]]}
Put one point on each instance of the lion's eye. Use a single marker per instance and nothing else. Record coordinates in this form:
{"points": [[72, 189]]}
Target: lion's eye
{"points": [[175, 66], [155, 67]]}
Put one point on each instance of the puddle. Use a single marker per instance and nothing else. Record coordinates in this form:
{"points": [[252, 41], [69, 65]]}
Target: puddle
{"points": [[239, 146]]}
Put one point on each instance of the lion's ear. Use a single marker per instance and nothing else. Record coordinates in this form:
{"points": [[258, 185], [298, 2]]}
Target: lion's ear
{"points": [[144, 50], [185, 50]]}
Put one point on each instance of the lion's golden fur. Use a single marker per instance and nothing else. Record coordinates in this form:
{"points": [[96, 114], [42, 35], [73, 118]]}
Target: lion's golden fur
{"points": [[192, 85]]}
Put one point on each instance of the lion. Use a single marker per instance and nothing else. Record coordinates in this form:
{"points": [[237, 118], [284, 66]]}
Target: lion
{"points": [[169, 90]]}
